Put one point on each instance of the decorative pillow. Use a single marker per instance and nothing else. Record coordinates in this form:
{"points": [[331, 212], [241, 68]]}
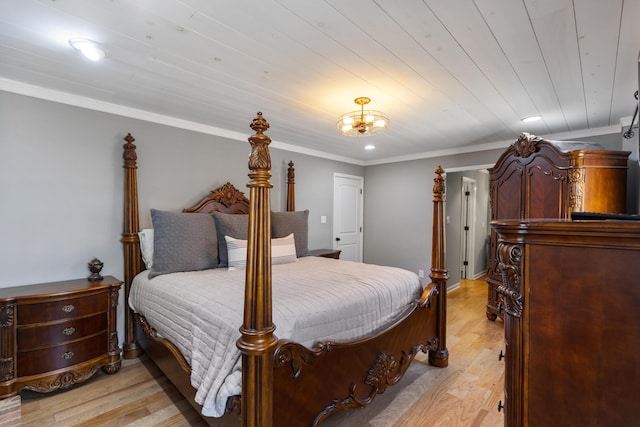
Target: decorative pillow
{"points": [[283, 251], [285, 223], [146, 246], [183, 242], [232, 225]]}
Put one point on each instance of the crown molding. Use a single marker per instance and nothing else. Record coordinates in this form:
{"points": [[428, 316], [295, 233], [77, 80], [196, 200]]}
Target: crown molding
{"points": [[134, 113]]}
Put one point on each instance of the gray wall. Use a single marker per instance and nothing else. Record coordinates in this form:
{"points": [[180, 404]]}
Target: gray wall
{"points": [[62, 185], [399, 211]]}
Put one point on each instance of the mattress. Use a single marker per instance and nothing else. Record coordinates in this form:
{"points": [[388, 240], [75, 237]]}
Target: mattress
{"points": [[314, 299]]}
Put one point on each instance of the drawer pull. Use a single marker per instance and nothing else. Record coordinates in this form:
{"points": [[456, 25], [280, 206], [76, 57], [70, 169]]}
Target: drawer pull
{"points": [[500, 406], [68, 308], [501, 355], [69, 331], [68, 355]]}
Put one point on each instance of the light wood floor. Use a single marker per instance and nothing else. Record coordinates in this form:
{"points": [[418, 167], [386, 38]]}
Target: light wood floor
{"points": [[466, 393]]}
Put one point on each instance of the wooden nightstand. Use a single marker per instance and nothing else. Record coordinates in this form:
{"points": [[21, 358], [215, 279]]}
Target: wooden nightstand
{"points": [[326, 253], [57, 334]]}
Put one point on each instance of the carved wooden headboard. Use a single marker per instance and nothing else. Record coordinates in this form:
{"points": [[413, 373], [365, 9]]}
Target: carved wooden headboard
{"points": [[225, 199]]}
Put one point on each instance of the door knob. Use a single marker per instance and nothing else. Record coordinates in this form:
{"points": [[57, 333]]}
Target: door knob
{"points": [[337, 239]]}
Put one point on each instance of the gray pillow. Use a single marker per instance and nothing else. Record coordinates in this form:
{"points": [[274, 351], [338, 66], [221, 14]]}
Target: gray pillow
{"points": [[285, 223], [183, 242], [232, 225]]}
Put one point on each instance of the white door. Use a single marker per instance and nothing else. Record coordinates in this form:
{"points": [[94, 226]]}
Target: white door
{"points": [[347, 216], [468, 220]]}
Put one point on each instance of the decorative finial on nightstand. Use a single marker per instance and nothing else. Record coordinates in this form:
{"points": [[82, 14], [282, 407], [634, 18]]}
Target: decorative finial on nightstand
{"points": [[95, 266]]}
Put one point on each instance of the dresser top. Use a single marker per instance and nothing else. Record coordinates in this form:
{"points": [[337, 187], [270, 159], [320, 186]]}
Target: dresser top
{"points": [[590, 233], [64, 287]]}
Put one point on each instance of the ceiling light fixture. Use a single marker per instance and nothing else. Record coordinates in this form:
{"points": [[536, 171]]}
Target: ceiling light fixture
{"points": [[92, 50], [531, 119], [363, 122]]}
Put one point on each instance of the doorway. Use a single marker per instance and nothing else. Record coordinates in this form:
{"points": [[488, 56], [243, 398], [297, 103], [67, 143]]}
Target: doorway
{"points": [[348, 198], [467, 232]]}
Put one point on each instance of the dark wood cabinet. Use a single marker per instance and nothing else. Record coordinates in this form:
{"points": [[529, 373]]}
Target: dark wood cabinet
{"points": [[538, 178], [572, 322], [57, 334]]}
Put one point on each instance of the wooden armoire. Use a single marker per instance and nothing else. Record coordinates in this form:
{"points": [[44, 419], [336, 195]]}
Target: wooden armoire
{"points": [[538, 178]]}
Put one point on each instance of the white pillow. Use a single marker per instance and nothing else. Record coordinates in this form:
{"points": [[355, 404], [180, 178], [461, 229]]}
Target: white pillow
{"points": [[283, 250], [146, 246]]}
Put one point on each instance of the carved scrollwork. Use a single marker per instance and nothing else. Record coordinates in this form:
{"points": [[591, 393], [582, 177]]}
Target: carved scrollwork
{"points": [[227, 195], [111, 368], [234, 405], [380, 376], [260, 159], [526, 144], [324, 346], [129, 155], [438, 185], [291, 174], [6, 369], [386, 371], [509, 258], [113, 296], [6, 315], [430, 293], [298, 355], [146, 328], [113, 343], [431, 345], [576, 189], [63, 381]]}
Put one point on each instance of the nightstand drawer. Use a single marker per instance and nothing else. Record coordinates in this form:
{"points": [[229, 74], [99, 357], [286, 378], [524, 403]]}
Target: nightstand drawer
{"points": [[49, 359], [63, 308], [32, 337]]}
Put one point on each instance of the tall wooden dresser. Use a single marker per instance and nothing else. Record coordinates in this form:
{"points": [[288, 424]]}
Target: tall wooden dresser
{"points": [[572, 322], [537, 178]]}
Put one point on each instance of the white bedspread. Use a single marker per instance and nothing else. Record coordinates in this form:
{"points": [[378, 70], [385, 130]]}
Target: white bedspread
{"points": [[314, 299]]}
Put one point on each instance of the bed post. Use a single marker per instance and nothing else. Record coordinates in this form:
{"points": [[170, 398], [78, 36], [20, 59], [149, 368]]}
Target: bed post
{"points": [[291, 192], [258, 341], [439, 275], [130, 242]]}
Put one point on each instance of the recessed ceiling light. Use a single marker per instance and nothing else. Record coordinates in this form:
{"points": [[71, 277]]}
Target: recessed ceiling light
{"points": [[92, 50], [369, 147], [531, 119]]}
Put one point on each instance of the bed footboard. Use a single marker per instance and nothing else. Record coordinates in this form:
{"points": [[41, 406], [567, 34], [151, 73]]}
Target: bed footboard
{"points": [[311, 385]]}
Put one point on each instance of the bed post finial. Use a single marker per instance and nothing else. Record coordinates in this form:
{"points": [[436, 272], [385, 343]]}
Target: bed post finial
{"points": [[258, 340], [260, 159], [130, 242], [291, 194], [439, 275]]}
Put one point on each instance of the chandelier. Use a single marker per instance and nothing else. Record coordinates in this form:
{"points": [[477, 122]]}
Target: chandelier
{"points": [[363, 122]]}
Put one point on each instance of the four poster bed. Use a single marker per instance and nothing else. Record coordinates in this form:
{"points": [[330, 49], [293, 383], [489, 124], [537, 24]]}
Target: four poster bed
{"points": [[346, 338]]}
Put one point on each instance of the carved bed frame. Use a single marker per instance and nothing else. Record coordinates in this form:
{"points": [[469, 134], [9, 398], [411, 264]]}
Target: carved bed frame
{"points": [[285, 383]]}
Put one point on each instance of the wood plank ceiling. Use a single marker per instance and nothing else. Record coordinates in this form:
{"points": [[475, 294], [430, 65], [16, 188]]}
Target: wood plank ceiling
{"points": [[449, 73]]}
